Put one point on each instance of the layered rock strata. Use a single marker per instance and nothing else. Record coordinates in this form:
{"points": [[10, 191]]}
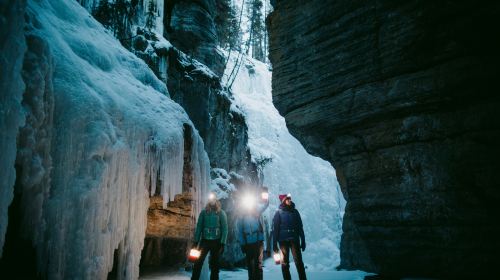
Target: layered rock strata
{"points": [[402, 98], [223, 129], [190, 26], [169, 231]]}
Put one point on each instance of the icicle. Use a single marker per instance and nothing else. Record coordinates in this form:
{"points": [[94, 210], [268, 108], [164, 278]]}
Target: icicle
{"points": [[163, 67], [160, 7]]}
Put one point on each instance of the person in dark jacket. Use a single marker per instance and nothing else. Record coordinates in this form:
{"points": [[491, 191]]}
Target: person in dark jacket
{"points": [[211, 235], [289, 232], [251, 233]]}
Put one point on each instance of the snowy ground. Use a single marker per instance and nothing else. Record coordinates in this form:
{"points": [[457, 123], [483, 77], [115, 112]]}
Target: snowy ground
{"points": [[271, 271]]}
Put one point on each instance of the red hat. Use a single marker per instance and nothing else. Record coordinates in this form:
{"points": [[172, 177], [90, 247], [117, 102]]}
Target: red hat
{"points": [[282, 197]]}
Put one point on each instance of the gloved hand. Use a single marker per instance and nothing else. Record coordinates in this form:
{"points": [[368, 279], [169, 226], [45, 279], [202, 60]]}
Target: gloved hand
{"points": [[221, 249], [275, 248], [303, 245]]}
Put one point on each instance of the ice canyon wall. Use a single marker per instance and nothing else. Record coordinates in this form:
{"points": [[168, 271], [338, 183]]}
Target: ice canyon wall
{"points": [[100, 137], [181, 49], [402, 98], [12, 47]]}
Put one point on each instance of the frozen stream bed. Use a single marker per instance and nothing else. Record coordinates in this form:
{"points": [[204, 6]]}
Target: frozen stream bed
{"points": [[271, 271]]}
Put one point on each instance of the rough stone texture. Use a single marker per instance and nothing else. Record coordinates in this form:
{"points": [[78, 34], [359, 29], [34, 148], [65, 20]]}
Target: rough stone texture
{"points": [[402, 98], [224, 131], [191, 28], [169, 231], [209, 107], [175, 221]]}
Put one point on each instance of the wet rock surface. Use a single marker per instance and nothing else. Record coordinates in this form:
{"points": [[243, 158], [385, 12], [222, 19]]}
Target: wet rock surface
{"points": [[190, 27], [169, 231], [223, 130], [402, 98]]}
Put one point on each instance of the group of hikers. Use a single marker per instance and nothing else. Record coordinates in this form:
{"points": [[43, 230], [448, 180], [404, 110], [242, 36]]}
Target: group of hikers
{"points": [[287, 236]]}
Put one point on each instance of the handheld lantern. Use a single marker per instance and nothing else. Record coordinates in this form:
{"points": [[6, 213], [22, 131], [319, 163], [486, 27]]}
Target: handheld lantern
{"points": [[277, 258], [194, 254]]}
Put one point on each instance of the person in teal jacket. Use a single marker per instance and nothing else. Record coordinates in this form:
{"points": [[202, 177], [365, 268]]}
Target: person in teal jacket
{"points": [[210, 237], [251, 234]]}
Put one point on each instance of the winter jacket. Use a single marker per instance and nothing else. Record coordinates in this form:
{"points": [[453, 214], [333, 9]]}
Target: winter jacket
{"points": [[211, 225], [249, 226], [287, 225]]}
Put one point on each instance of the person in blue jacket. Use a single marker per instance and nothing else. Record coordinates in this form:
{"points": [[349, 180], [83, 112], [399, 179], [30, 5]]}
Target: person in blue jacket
{"points": [[289, 232], [251, 233]]}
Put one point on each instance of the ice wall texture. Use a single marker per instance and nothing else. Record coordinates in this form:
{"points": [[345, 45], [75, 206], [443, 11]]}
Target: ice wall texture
{"points": [[402, 98], [101, 135], [310, 180], [12, 47]]}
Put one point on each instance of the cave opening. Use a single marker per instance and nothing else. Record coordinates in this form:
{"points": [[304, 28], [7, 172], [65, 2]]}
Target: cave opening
{"points": [[170, 230], [18, 260]]}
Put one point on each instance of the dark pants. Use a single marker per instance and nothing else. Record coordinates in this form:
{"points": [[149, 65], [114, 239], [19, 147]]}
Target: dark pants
{"points": [[286, 247], [254, 255], [206, 246]]}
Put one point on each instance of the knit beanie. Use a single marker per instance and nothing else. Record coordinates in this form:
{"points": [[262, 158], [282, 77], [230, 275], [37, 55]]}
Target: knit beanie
{"points": [[282, 197]]}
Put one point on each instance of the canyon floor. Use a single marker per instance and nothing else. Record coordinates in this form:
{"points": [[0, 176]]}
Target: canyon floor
{"points": [[271, 271]]}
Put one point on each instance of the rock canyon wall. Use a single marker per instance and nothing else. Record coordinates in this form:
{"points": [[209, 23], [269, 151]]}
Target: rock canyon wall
{"points": [[402, 98]]}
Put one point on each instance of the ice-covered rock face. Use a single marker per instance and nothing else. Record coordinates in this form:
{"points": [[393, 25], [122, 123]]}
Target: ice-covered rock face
{"points": [[193, 79], [101, 135], [12, 47]]}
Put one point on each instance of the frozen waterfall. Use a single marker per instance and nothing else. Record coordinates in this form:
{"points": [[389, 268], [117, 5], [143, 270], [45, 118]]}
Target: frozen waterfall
{"points": [[101, 136], [311, 180]]}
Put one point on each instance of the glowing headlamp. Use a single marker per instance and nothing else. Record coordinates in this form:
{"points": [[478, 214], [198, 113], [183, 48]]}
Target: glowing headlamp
{"points": [[194, 254], [211, 196], [265, 195], [277, 258], [248, 201]]}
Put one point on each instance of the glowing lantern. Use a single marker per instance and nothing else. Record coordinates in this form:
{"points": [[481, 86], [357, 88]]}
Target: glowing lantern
{"points": [[265, 195], [194, 255], [277, 258]]}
